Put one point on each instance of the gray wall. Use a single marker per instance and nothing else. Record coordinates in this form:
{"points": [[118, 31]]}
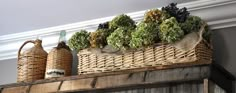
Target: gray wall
{"points": [[8, 71], [225, 48], [24, 15]]}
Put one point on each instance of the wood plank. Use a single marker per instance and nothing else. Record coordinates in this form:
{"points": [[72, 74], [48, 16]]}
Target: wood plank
{"points": [[45, 88], [148, 77], [120, 80], [80, 84], [211, 87], [206, 86], [21, 89], [161, 67], [132, 79], [177, 75], [173, 88]]}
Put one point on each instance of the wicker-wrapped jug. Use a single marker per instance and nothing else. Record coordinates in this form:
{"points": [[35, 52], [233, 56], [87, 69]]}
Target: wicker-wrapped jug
{"points": [[59, 61], [32, 62]]}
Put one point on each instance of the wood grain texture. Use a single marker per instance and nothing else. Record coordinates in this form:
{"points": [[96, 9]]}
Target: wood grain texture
{"points": [[21, 89], [178, 74], [143, 78], [164, 67], [80, 84], [178, 88], [120, 80], [159, 77], [45, 88], [206, 86]]}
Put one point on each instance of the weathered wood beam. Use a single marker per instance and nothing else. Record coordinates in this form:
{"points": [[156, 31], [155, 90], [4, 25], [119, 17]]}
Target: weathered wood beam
{"points": [[20, 89], [139, 78], [136, 78], [146, 87], [181, 65]]}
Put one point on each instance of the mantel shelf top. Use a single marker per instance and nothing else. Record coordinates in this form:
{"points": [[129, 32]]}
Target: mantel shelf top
{"points": [[148, 76]]}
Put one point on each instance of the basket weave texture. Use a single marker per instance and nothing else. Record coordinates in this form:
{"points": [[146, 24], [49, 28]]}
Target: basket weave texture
{"points": [[60, 59], [162, 54], [32, 63]]}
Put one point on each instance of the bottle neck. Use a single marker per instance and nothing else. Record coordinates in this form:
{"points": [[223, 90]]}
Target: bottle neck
{"points": [[38, 43], [62, 37]]}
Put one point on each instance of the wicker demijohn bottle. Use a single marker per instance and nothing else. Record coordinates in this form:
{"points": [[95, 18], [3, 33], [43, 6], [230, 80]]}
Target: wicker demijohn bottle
{"points": [[32, 62], [59, 61]]}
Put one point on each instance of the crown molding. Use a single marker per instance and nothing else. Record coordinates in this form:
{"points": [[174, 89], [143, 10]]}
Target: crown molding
{"points": [[218, 13]]}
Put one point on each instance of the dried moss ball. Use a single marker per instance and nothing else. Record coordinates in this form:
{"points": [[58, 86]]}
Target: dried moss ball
{"points": [[121, 21], [98, 38], [80, 40], [145, 34], [170, 31], [120, 38], [193, 23], [153, 15]]}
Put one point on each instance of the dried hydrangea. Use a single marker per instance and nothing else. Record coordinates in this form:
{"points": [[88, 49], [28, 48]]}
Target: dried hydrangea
{"points": [[80, 40], [180, 14], [153, 15], [165, 15], [145, 34], [103, 25], [193, 23], [170, 31], [98, 38], [121, 21], [207, 34], [120, 38]]}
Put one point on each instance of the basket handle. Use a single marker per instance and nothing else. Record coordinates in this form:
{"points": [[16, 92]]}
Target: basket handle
{"points": [[26, 42]]}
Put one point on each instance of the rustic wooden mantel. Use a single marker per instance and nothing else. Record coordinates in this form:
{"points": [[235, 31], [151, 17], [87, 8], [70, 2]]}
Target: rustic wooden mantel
{"points": [[137, 78]]}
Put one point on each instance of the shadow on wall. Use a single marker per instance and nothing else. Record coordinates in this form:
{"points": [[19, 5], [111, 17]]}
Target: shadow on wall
{"points": [[75, 63], [224, 52], [220, 51]]}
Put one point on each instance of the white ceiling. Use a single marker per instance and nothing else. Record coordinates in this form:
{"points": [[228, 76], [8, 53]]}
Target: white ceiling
{"points": [[25, 15]]}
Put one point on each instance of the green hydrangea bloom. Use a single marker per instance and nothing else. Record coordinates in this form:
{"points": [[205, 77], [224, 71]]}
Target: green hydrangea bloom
{"points": [[120, 38], [193, 23], [121, 21], [80, 40], [145, 34], [170, 31]]}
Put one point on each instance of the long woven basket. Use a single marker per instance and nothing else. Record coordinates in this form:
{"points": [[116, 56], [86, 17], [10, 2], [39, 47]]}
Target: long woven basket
{"points": [[164, 54]]}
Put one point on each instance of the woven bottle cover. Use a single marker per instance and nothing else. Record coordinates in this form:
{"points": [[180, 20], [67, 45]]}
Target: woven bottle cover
{"points": [[32, 62], [59, 59]]}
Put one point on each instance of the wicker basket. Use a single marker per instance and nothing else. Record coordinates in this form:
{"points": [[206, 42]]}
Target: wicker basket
{"points": [[32, 63], [163, 54], [59, 62]]}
